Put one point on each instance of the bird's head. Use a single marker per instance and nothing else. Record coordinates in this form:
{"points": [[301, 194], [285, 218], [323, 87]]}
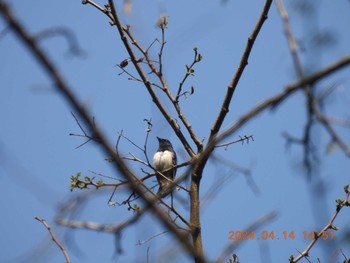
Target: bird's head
{"points": [[164, 143]]}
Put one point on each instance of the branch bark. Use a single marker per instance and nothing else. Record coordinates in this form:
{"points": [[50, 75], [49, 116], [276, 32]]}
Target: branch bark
{"points": [[243, 63], [66, 92]]}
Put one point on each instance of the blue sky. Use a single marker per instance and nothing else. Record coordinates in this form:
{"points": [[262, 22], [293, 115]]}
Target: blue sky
{"points": [[38, 156]]}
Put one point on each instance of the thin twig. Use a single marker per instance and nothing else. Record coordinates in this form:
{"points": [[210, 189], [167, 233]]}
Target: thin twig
{"points": [[312, 101], [54, 238], [73, 45], [244, 61], [275, 100], [162, 25], [67, 93], [139, 242], [334, 135], [148, 130], [165, 88], [308, 91], [89, 138], [189, 72], [103, 10], [124, 32], [329, 225], [113, 228], [243, 139]]}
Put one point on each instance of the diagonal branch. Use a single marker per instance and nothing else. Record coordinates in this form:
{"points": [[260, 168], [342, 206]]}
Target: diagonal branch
{"points": [[146, 82], [125, 31], [275, 100], [244, 61], [334, 135], [54, 238], [118, 164], [329, 225], [165, 88], [311, 100]]}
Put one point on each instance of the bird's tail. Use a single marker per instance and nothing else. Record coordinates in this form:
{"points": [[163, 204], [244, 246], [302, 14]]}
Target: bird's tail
{"points": [[163, 190]]}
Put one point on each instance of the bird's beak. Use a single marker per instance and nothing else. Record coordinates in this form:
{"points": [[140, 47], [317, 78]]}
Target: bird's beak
{"points": [[159, 139]]}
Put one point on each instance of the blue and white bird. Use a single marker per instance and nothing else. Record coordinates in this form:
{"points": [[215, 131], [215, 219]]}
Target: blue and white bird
{"points": [[164, 159]]}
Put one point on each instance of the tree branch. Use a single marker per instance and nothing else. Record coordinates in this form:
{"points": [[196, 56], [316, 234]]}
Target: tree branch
{"points": [[145, 80], [67, 93], [54, 238], [329, 225], [244, 61], [275, 100]]}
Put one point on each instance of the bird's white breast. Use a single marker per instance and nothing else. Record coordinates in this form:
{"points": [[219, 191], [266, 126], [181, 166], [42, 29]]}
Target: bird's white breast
{"points": [[163, 160]]}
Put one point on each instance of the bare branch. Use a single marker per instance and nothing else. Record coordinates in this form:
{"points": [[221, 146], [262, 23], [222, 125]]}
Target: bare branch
{"points": [[89, 138], [243, 139], [67, 93], [290, 38], [163, 25], [114, 228], [339, 121], [54, 238], [275, 100], [165, 88], [312, 102], [74, 47], [103, 10], [139, 243], [334, 135], [319, 235], [244, 61], [189, 72], [126, 30]]}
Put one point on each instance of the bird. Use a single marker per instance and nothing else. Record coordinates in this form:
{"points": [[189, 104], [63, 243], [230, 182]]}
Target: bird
{"points": [[164, 159]]}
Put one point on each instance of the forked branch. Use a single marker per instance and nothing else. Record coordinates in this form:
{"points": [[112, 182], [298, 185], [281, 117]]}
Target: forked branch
{"points": [[64, 89]]}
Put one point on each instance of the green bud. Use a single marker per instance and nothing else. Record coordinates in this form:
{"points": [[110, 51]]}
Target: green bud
{"points": [[199, 57], [100, 182], [334, 227]]}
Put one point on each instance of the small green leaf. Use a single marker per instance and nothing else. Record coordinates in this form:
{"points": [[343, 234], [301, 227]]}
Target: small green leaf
{"points": [[334, 227]]}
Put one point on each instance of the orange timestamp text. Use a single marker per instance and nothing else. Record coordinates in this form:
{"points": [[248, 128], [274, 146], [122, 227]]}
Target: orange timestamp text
{"points": [[284, 235]]}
